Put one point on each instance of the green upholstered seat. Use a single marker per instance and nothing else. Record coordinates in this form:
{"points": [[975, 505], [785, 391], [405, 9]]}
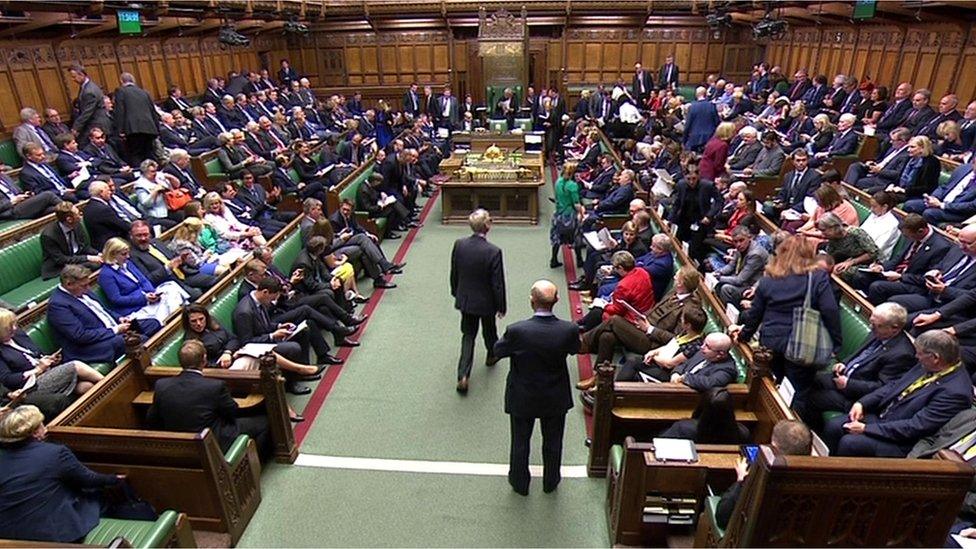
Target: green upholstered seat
{"points": [[855, 328], [286, 252], [944, 177], [525, 124], [293, 174], [13, 224], [711, 507], [139, 533], [8, 154], [214, 169], [827, 416], [40, 333], [22, 283], [497, 125], [222, 310], [687, 93], [237, 450], [862, 211], [616, 457]]}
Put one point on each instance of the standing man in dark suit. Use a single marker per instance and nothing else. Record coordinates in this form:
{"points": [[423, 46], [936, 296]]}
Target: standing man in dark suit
{"points": [[668, 75], [411, 100], [91, 106], [191, 403], [287, 75], [882, 359], [137, 119], [701, 121], [478, 287], [642, 86], [538, 385], [65, 242], [890, 420]]}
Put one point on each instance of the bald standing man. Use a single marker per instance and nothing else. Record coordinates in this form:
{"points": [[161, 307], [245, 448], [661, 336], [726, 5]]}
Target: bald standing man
{"points": [[538, 385]]}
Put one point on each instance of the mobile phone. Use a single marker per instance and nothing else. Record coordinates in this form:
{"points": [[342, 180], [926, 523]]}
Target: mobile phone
{"points": [[932, 279], [750, 452]]}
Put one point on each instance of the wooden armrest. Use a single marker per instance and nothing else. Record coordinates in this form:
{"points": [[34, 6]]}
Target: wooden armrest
{"points": [[671, 414], [145, 398]]}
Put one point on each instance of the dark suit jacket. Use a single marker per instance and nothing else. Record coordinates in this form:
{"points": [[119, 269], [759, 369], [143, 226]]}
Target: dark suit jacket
{"points": [[791, 196], [616, 201], [773, 305], [32, 179], [745, 156], [54, 248], [964, 204], [191, 403], [662, 76], [249, 325], [843, 144], [173, 138], [105, 160], [153, 269], [538, 382], [13, 363], [103, 223], [646, 78], [893, 117], [894, 358], [91, 110], [945, 262], [186, 178], [135, 111], [68, 163], [713, 374], [917, 119], [42, 496], [930, 126], [926, 178], [171, 105], [700, 123], [709, 200], [892, 170], [339, 223], [927, 257], [81, 333], [922, 412], [477, 277]]}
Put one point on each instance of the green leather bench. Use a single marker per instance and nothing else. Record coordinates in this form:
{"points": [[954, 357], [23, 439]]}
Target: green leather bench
{"points": [[687, 93], [22, 284], [138, 533], [9, 155], [42, 334]]}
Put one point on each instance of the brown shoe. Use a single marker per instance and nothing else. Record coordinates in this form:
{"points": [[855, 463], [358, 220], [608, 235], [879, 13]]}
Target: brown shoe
{"points": [[462, 386], [587, 383]]}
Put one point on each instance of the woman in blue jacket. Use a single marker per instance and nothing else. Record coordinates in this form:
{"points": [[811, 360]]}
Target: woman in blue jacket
{"points": [[782, 289], [129, 292]]}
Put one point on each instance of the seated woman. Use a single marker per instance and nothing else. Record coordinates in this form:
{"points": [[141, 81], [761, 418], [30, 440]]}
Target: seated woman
{"points": [[606, 281], [657, 363], [873, 109], [46, 494], [822, 136], [234, 158], [228, 226], [950, 139], [882, 225], [713, 421], [828, 201], [745, 204], [186, 243], [151, 189], [920, 176], [337, 258], [304, 189], [796, 128], [21, 360], [308, 170], [849, 246], [129, 293]]}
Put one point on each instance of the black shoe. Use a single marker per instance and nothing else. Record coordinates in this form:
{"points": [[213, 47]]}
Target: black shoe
{"points": [[393, 236], [360, 299], [393, 270], [415, 225], [383, 284], [356, 320], [346, 342], [294, 388], [550, 488], [297, 418], [577, 286], [554, 263], [462, 386], [400, 265], [331, 359], [347, 330], [520, 490], [319, 368], [313, 377], [491, 360]]}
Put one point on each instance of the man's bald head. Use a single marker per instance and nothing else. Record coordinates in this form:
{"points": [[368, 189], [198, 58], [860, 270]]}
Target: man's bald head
{"points": [[543, 295], [967, 239], [716, 346]]}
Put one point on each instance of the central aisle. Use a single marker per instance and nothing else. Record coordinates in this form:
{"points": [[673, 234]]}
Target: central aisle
{"points": [[395, 400]]}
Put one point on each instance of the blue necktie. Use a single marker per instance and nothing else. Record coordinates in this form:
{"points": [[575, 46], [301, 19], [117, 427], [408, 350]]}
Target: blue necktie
{"points": [[957, 270], [861, 357], [53, 177]]}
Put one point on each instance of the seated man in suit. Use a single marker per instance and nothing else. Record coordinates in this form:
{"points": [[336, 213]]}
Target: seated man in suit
{"points": [[254, 322], [176, 101], [888, 421], [953, 276], [885, 357], [179, 167], [352, 235], [924, 252], [957, 317], [844, 142], [745, 152], [378, 205], [601, 181], [30, 132], [269, 227], [260, 201], [37, 176], [747, 260], [71, 161], [658, 262], [88, 331], [710, 367], [159, 264], [798, 184], [107, 215], [105, 160], [886, 168], [191, 402], [952, 202], [66, 243], [17, 204]]}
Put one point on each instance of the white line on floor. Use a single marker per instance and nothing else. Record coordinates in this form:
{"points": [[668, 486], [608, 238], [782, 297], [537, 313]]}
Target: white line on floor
{"points": [[418, 466]]}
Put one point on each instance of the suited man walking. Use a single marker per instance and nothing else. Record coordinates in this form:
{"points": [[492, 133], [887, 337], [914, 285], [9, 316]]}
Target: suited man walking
{"points": [[538, 385], [138, 121], [478, 287], [91, 106]]}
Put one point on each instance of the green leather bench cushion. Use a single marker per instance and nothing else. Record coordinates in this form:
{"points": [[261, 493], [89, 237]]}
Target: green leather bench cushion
{"points": [[350, 190], [139, 533], [237, 450], [862, 211], [22, 282], [8, 154], [40, 333], [616, 457], [525, 124], [8, 225], [222, 309], [496, 125], [855, 328], [711, 507], [687, 93], [287, 252], [944, 177], [214, 168], [35, 291]]}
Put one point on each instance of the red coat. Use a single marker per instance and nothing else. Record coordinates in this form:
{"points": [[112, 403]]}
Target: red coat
{"points": [[713, 159], [636, 289]]}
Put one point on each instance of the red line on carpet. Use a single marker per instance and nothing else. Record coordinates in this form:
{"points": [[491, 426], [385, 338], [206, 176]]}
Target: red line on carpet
{"points": [[332, 373], [584, 363]]}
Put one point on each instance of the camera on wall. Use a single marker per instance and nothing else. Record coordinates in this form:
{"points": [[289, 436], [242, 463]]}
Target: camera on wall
{"points": [[768, 27], [229, 36], [296, 27]]}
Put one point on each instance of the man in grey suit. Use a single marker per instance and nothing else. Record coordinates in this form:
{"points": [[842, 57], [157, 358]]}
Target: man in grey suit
{"points": [[770, 158], [138, 121], [478, 287], [30, 132], [712, 366], [91, 106], [747, 261], [538, 385]]}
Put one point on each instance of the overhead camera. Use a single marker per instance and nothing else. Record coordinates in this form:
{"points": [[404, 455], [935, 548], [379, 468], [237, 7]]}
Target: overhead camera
{"points": [[718, 20], [296, 27], [229, 36], [769, 28]]}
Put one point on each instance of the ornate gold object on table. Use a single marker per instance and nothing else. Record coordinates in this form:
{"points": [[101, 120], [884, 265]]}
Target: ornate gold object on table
{"points": [[503, 180]]}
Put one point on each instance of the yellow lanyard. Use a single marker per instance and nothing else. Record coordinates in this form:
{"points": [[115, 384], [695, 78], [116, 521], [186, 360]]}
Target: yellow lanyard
{"points": [[686, 338], [927, 379]]}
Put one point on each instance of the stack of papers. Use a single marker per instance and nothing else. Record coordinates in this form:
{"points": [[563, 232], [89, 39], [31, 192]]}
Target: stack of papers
{"points": [[675, 449]]}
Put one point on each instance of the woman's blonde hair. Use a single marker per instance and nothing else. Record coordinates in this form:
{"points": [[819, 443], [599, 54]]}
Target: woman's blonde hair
{"points": [[189, 230], [20, 423], [113, 249], [569, 170], [824, 122], [924, 142], [725, 131], [7, 319], [210, 199], [793, 256]]}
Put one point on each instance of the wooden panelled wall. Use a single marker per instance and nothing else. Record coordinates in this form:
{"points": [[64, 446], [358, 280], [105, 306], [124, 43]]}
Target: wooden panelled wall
{"points": [[939, 57], [35, 74]]}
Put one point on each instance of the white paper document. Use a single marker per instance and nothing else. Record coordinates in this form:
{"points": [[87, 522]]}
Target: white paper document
{"points": [[675, 449], [598, 240], [255, 350]]}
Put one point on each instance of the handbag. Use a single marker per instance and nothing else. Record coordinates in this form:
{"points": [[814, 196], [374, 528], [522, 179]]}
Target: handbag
{"points": [[121, 502], [176, 199], [810, 343]]}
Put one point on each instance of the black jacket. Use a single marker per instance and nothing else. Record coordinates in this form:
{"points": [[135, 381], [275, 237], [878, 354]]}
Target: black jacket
{"points": [[54, 248], [191, 403], [477, 277], [709, 200], [103, 223], [135, 111], [538, 381]]}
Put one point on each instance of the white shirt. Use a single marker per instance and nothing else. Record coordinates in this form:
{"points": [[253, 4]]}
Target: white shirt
{"points": [[959, 188], [884, 231]]}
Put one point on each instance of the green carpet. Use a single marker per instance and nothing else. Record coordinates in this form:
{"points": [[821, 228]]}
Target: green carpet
{"points": [[395, 399]]}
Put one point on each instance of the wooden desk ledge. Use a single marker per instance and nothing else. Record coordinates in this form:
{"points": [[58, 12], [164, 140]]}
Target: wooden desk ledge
{"points": [[145, 398], [671, 414]]}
